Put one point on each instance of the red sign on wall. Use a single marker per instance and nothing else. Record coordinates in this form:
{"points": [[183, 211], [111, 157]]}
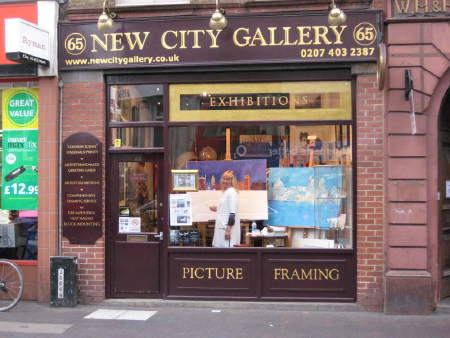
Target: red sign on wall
{"points": [[26, 11]]}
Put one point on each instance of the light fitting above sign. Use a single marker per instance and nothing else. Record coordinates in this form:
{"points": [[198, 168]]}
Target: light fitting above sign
{"points": [[26, 43], [249, 39]]}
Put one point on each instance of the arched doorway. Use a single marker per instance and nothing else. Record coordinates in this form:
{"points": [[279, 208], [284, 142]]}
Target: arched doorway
{"points": [[444, 191]]}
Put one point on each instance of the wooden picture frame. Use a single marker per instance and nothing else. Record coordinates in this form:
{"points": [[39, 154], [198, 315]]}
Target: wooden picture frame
{"points": [[184, 180]]}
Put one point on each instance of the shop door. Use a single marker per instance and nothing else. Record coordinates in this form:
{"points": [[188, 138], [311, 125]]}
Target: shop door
{"points": [[135, 215], [444, 224]]}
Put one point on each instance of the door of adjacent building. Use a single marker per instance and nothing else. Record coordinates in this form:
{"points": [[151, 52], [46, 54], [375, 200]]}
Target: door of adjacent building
{"points": [[134, 225], [444, 178]]}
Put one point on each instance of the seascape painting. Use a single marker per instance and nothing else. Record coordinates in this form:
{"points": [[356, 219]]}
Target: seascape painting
{"points": [[305, 197]]}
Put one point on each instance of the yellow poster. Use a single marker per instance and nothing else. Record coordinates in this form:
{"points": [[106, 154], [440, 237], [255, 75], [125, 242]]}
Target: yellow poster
{"points": [[20, 108]]}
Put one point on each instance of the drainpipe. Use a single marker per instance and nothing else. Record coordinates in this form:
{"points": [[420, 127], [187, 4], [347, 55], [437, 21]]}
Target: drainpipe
{"points": [[60, 168]]}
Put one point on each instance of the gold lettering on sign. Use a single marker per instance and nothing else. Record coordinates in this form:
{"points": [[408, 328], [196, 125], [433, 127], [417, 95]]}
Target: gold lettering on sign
{"points": [[114, 41], [212, 273], [184, 39], [305, 274], [248, 101], [287, 36]]}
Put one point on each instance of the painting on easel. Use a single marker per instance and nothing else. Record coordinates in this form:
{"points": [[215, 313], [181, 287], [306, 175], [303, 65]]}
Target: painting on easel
{"points": [[305, 197]]}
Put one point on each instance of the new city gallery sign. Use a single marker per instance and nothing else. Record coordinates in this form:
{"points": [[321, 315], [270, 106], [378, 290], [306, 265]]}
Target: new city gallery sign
{"points": [[281, 38]]}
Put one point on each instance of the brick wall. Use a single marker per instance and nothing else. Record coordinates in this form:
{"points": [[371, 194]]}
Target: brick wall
{"points": [[48, 182], [84, 110], [370, 193]]}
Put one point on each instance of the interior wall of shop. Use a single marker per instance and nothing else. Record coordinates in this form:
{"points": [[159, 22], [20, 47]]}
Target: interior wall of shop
{"points": [[84, 111], [412, 282]]}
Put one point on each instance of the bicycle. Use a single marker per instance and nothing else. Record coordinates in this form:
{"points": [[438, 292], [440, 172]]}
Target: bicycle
{"points": [[11, 284]]}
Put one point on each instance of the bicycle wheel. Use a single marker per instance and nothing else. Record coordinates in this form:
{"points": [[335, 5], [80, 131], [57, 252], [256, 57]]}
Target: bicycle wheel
{"points": [[11, 284]]}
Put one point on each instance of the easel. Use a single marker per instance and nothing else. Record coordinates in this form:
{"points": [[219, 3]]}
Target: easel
{"points": [[228, 145]]}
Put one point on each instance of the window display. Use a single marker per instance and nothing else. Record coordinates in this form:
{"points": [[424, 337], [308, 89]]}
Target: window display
{"points": [[265, 164], [285, 185]]}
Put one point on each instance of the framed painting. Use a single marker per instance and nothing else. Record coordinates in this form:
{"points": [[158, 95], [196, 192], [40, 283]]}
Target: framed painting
{"points": [[184, 180]]}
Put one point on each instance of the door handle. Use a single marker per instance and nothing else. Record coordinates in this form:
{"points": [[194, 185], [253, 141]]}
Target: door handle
{"points": [[160, 236]]}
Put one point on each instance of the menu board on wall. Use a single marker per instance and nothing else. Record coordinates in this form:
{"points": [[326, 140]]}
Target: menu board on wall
{"points": [[82, 180]]}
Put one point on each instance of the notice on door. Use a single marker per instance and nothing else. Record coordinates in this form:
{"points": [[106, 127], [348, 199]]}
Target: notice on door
{"points": [[129, 224], [82, 188]]}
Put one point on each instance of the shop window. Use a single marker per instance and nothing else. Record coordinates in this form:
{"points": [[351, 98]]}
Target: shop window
{"points": [[287, 186], [242, 177], [136, 103], [139, 137], [19, 170], [136, 114]]}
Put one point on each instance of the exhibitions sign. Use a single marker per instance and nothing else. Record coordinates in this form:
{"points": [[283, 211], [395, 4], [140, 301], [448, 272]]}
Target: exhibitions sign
{"points": [[264, 101], [82, 188], [26, 42], [286, 38], [20, 149]]}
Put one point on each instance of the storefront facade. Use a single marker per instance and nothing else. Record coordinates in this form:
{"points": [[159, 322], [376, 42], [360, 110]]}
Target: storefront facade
{"points": [[417, 265], [29, 108], [292, 110]]}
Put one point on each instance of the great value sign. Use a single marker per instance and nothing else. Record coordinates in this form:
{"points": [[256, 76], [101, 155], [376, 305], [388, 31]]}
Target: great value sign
{"points": [[20, 149], [303, 37], [26, 42]]}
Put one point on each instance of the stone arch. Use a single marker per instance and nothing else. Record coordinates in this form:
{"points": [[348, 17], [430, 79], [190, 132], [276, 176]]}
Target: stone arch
{"points": [[439, 98]]}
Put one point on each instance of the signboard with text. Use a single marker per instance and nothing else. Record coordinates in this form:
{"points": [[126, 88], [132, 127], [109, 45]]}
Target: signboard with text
{"points": [[420, 8], [82, 188], [272, 276], [26, 42], [20, 149], [269, 38]]}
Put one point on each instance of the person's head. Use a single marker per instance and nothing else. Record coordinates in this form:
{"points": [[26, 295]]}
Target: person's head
{"points": [[228, 179], [13, 214]]}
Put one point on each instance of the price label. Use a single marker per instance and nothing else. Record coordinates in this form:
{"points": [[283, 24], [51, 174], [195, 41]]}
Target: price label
{"points": [[20, 189]]}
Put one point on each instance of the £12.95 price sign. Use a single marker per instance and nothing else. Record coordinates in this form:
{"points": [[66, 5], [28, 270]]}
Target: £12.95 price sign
{"points": [[20, 149]]}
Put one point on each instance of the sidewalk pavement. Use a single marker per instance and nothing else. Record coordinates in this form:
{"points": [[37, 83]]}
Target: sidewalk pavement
{"points": [[173, 319]]}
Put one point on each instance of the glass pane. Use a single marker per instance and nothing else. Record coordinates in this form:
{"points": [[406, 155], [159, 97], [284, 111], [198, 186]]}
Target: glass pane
{"points": [[138, 137], [130, 103], [291, 186], [137, 197]]}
